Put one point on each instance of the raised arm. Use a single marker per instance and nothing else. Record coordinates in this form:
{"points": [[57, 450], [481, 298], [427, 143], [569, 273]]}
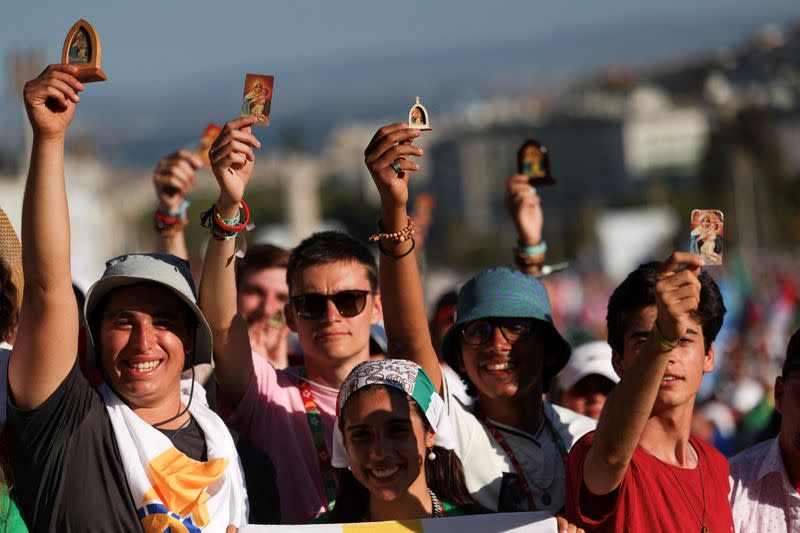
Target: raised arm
{"points": [[629, 405], [400, 284], [47, 338], [232, 162], [173, 178], [525, 210]]}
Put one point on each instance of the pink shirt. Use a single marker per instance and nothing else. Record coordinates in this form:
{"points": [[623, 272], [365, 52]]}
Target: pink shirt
{"points": [[272, 416]]}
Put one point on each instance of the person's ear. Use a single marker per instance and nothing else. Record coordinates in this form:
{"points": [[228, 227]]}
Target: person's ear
{"points": [[377, 309], [291, 319], [708, 362], [780, 387], [617, 363], [430, 438]]}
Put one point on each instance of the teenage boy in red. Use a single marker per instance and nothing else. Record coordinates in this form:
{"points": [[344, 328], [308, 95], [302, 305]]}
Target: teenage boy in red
{"points": [[640, 470]]}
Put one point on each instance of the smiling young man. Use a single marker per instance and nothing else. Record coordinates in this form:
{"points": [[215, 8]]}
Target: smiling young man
{"points": [[503, 344], [332, 282], [641, 470], [116, 459]]}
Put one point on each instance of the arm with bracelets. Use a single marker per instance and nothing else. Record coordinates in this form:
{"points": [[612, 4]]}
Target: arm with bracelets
{"points": [[232, 161]]}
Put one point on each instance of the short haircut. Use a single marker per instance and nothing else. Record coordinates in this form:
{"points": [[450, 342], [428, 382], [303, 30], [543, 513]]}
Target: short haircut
{"points": [[261, 257], [638, 292], [331, 247]]}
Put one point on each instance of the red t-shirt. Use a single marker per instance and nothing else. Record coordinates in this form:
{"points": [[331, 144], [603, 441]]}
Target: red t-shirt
{"points": [[653, 496]]}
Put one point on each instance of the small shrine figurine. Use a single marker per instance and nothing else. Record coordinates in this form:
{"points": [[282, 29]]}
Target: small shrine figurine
{"points": [[82, 48], [418, 117], [534, 161]]}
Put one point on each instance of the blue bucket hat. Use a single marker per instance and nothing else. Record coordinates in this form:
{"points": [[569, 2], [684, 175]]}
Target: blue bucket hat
{"points": [[502, 292]]}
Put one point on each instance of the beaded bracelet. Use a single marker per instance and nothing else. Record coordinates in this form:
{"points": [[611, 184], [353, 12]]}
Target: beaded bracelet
{"points": [[665, 344], [396, 236], [398, 256]]}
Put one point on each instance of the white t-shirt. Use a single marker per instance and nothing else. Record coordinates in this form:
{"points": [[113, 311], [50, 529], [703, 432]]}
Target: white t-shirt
{"points": [[485, 461]]}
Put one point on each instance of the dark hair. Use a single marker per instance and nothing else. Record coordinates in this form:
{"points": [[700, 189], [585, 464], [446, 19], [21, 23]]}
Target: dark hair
{"points": [[792, 361], [638, 292], [444, 476], [261, 257], [330, 247], [9, 303]]}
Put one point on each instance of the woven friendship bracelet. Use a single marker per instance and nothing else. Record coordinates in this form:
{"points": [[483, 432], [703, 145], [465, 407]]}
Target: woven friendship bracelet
{"points": [[169, 224], [225, 228], [537, 249], [665, 344]]}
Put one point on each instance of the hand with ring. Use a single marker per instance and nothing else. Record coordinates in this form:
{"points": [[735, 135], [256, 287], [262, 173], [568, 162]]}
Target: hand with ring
{"points": [[387, 158]]}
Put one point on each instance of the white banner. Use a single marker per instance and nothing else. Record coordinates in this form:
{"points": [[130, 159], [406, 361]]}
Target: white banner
{"points": [[539, 522]]}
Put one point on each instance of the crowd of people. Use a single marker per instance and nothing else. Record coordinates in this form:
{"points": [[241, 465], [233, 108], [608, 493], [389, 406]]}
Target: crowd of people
{"points": [[155, 404]]}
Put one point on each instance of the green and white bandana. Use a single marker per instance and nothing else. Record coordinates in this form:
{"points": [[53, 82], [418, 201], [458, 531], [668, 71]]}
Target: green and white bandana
{"points": [[401, 374]]}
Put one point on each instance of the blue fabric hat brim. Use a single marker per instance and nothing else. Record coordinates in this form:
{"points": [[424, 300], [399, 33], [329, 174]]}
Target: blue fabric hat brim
{"points": [[502, 293]]}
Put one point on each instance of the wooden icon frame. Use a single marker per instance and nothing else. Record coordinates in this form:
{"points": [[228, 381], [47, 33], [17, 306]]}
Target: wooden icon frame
{"points": [[426, 125], [547, 179], [91, 71]]}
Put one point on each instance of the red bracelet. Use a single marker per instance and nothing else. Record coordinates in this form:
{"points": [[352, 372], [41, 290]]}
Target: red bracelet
{"points": [[238, 227]]}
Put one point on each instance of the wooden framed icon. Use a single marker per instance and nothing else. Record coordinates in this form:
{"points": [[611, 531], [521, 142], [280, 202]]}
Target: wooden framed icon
{"points": [[257, 97], [418, 117], [533, 160], [82, 48]]}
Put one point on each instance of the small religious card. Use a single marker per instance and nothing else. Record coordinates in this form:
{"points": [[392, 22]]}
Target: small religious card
{"points": [[209, 136], [257, 99], [707, 235], [418, 117], [82, 48], [533, 160]]}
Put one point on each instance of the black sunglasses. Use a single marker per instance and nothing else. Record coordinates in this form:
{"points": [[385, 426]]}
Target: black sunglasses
{"points": [[513, 329], [312, 306]]}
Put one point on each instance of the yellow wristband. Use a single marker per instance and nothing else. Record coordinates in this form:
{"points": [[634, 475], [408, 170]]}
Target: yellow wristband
{"points": [[665, 344]]}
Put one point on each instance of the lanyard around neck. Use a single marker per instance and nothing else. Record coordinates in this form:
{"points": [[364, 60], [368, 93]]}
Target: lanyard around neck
{"points": [[315, 425], [501, 440]]}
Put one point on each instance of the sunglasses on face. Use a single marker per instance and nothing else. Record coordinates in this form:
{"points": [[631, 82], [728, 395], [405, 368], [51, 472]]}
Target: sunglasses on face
{"points": [[313, 306], [513, 329]]}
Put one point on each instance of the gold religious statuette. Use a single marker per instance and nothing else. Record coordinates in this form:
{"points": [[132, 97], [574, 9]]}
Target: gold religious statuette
{"points": [[533, 160], [418, 117], [82, 48]]}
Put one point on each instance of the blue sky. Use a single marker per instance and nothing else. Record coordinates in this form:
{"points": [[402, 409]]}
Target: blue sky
{"points": [[146, 41], [175, 65]]}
